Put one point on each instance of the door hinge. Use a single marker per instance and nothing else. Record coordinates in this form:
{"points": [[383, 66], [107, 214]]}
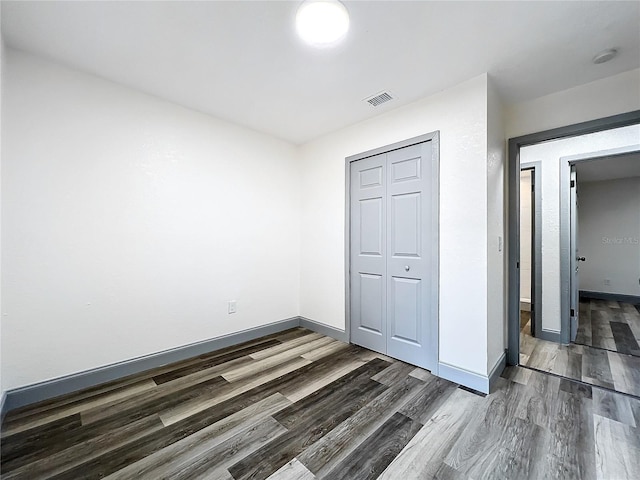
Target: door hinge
{"points": [[573, 183], [573, 312]]}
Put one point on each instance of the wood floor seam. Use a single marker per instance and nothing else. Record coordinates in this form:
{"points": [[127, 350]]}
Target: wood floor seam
{"points": [[603, 387]]}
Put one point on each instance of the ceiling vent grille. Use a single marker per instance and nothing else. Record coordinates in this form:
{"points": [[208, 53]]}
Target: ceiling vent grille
{"points": [[379, 99]]}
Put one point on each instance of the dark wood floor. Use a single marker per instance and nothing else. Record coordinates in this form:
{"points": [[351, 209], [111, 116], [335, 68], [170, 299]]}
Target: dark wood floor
{"points": [[610, 325], [592, 365], [298, 405]]}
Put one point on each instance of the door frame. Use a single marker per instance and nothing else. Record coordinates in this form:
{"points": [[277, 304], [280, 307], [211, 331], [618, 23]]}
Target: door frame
{"points": [[433, 137], [513, 208], [567, 255], [536, 251]]}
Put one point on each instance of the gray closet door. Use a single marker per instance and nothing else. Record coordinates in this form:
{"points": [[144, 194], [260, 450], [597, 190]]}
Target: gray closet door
{"points": [[391, 253], [409, 253], [368, 253]]}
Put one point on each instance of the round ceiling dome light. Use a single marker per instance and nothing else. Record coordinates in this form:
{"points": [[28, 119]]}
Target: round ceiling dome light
{"points": [[605, 56], [322, 23]]}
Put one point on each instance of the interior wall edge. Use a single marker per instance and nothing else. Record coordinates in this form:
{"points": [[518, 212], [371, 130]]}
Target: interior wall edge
{"points": [[496, 259], [324, 329], [497, 370]]}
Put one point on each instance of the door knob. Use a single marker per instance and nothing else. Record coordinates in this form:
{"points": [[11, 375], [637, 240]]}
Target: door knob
{"points": [[407, 268], [580, 259]]}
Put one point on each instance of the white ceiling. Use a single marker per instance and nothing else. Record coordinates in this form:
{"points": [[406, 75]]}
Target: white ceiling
{"points": [[242, 62], [609, 168]]}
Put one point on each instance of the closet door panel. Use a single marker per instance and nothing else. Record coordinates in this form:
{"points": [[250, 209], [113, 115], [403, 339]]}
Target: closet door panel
{"points": [[408, 255], [368, 303]]}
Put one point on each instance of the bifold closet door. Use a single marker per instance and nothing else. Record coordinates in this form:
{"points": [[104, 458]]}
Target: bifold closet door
{"points": [[368, 253], [391, 253], [409, 254]]}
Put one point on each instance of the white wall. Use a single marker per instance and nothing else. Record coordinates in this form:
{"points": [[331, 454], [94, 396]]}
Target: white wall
{"points": [[129, 222], [526, 220], [2, 70], [609, 96], [496, 307], [460, 114], [549, 153], [609, 235]]}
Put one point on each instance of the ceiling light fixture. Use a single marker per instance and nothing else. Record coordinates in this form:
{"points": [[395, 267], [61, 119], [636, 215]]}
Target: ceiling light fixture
{"points": [[322, 23], [605, 56]]}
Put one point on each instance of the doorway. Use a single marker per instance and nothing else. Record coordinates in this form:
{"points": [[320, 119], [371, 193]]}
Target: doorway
{"points": [[392, 236], [531, 250], [567, 310], [601, 224], [527, 212]]}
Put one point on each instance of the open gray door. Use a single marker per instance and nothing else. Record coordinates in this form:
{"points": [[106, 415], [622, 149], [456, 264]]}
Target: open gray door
{"points": [[534, 313], [575, 256]]}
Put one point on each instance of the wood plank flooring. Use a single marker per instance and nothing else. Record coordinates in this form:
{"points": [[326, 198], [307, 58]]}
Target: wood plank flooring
{"points": [[595, 366], [298, 405], [610, 325]]}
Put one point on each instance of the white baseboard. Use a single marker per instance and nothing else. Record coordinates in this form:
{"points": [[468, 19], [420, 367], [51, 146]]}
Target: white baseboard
{"points": [[473, 380], [525, 305]]}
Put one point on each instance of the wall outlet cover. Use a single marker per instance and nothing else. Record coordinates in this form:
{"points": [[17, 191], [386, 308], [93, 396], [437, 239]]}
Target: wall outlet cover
{"points": [[233, 306]]}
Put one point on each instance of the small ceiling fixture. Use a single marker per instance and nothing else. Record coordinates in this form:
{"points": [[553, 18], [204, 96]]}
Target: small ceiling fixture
{"points": [[322, 23], [379, 98], [605, 56]]}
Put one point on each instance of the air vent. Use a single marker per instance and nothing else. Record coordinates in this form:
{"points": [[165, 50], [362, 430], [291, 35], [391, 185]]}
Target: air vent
{"points": [[379, 98]]}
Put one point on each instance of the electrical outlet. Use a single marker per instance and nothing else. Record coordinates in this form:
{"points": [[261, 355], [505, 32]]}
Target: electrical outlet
{"points": [[233, 306], [607, 282]]}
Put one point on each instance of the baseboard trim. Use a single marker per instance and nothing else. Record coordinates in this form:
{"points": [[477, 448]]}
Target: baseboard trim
{"points": [[525, 306], [3, 411], [324, 329], [463, 377], [497, 370], [616, 297], [37, 392], [549, 335]]}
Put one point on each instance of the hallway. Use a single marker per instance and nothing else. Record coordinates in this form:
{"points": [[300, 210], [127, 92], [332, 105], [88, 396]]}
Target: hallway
{"points": [[610, 325], [589, 364]]}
